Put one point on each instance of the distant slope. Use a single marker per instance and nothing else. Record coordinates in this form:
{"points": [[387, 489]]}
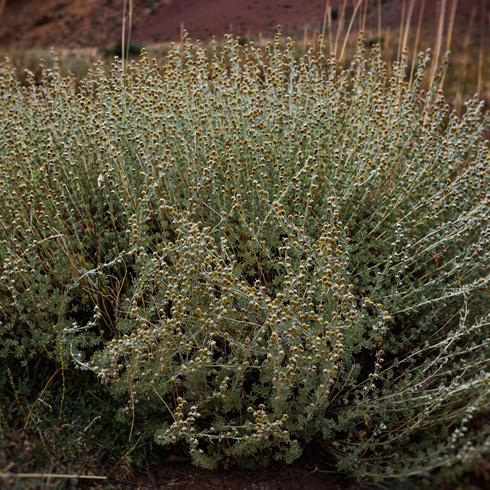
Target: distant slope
{"points": [[71, 23], [67, 23]]}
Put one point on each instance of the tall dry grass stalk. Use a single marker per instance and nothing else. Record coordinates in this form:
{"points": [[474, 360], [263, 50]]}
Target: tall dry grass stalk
{"points": [[129, 27], [462, 73], [451, 23], [327, 7], [440, 35], [358, 4], [450, 33], [329, 29], [127, 17], [482, 37], [340, 26], [364, 16], [417, 37], [379, 22], [400, 34], [123, 32], [408, 23]]}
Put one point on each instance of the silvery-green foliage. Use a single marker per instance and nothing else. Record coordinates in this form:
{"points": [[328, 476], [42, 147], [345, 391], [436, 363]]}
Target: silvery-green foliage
{"points": [[278, 248]]}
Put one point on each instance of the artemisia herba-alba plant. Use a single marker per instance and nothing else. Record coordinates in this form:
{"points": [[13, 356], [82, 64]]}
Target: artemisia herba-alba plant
{"points": [[267, 250]]}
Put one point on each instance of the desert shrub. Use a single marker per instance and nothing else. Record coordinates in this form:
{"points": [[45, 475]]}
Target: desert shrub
{"points": [[264, 248]]}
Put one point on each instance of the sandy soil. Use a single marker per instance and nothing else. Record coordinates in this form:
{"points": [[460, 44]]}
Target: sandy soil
{"points": [[310, 472], [250, 17], [238, 17], [71, 23], [67, 23]]}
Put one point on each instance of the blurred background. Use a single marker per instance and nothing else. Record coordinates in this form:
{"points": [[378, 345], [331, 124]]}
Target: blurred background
{"points": [[83, 31]]}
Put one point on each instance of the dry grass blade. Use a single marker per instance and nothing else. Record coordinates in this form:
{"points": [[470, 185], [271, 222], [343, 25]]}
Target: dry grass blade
{"points": [[340, 27], [450, 32], [39, 398], [407, 24], [454, 6], [379, 22], [364, 16], [440, 35], [330, 29], [327, 8], [417, 37], [130, 28], [16, 394], [123, 34], [482, 37], [52, 475], [358, 4], [400, 34], [462, 73]]}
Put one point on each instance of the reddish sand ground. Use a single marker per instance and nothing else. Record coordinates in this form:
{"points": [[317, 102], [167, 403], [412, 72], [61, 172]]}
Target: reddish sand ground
{"points": [[308, 473], [239, 17], [202, 19], [68, 23]]}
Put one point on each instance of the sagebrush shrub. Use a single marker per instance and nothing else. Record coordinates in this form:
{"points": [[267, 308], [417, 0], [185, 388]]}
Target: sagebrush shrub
{"points": [[271, 249]]}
